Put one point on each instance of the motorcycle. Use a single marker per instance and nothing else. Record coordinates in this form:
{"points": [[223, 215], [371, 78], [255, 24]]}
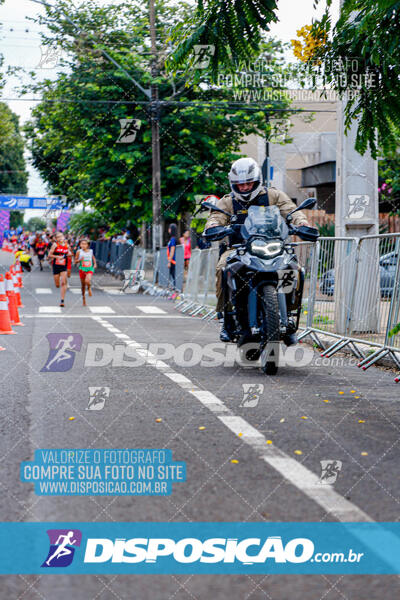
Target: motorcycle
{"points": [[262, 281]]}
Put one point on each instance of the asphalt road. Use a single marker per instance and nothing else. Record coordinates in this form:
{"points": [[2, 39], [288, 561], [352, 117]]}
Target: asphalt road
{"points": [[304, 415]]}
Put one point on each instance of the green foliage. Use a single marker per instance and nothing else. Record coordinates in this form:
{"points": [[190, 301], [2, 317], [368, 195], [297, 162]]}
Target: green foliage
{"points": [[16, 218], [389, 173], [86, 223], [35, 224], [319, 320], [362, 61], [326, 230], [233, 29], [395, 330], [74, 130], [13, 174]]}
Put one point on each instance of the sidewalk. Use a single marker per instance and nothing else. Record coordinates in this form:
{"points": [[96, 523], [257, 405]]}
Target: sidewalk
{"points": [[103, 280]]}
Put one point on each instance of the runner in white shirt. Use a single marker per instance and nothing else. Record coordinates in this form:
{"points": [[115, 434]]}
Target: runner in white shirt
{"points": [[87, 264]]}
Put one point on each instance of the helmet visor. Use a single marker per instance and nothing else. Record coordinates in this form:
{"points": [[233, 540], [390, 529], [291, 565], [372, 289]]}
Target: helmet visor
{"points": [[237, 185]]}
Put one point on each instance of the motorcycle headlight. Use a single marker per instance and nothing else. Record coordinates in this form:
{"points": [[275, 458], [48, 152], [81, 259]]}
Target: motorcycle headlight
{"points": [[264, 249]]}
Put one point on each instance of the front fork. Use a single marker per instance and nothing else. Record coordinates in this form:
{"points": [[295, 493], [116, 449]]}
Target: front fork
{"points": [[283, 311], [287, 325]]}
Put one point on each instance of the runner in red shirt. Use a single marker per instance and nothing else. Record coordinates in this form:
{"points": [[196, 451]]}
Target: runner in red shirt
{"points": [[40, 247], [59, 253]]}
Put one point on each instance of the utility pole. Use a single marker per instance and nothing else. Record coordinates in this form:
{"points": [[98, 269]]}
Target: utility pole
{"points": [[155, 134], [266, 166], [356, 215]]}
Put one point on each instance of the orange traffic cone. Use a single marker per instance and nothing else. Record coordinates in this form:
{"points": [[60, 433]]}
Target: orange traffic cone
{"points": [[16, 287], [18, 272], [12, 301], [5, 323]]}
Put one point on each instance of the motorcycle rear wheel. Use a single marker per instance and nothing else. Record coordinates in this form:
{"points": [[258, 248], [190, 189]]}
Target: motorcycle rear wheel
{"points": [[271, 330]]}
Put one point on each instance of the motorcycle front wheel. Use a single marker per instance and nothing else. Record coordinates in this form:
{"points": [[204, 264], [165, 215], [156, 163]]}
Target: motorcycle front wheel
{"points": [[271, 331]]}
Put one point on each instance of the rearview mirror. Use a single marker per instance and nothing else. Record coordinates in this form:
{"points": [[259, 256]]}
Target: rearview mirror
{"points": [[210, 206], [307, 203]]}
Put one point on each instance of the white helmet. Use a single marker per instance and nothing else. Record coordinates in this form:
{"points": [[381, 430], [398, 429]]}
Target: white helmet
{"points": [[245, 170]]}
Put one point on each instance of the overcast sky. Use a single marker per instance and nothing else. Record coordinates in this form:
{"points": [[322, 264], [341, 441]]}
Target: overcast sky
{"points": [[20, 46]]}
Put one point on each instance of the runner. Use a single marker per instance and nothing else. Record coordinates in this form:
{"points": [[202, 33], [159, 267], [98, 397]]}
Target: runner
{"points": [[24, 258], [59, 253], [87, 265], [40, 247]]}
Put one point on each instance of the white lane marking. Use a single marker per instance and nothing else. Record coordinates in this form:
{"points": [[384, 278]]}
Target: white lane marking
{"points": [[131, 317], [177, 377], [121, 336], [156, 362], [112, 291], [50, 309], [75, 290], [43, 291], [101, 309], [290, 469], [206, 398], [152, 310]]}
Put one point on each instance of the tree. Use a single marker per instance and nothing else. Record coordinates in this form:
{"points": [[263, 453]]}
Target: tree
{"points": [[86, 223], [75, 129], [233, 30], [389, 175], [13, 174], [16, 218], [362, 60], [36, 224]]}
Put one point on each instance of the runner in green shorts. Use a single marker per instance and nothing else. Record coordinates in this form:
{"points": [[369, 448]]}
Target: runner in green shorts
{"points": [[87, 264]]}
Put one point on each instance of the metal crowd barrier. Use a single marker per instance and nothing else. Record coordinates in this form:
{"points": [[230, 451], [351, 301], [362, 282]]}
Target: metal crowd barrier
{"points": [[162, 282], [356, 284], [199, 292], [102, 252], [117, 258]]}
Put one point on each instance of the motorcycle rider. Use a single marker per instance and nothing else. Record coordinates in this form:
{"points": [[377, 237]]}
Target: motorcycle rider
{"points": [[247, 189]]}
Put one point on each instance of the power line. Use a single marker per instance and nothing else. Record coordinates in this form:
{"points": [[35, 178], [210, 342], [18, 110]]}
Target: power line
{"points": [[228, 105]]}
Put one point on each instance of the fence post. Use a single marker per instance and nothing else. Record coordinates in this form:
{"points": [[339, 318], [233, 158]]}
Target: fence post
{"points": [[207, 277], [156, 262], [350, 309], [315, 249], [394, 310]]}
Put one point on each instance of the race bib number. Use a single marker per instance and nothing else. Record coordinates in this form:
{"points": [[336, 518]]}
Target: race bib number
{"points": [[86, 262], [60, 260]]}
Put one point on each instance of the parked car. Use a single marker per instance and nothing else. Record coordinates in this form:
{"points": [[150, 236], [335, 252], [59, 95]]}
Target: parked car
{"points": [[389, 262], [387, 270]]}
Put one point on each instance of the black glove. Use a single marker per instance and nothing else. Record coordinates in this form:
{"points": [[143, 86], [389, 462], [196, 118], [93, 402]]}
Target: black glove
{"points": [[306, 233], [217, 233]]}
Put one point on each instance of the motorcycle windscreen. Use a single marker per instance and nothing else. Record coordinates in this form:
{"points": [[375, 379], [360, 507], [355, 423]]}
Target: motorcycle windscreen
{"points": [[266, 221]]}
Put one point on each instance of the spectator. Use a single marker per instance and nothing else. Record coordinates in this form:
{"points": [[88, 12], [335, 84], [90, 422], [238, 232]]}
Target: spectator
{"points": [[187, 248], [171, 249]]}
